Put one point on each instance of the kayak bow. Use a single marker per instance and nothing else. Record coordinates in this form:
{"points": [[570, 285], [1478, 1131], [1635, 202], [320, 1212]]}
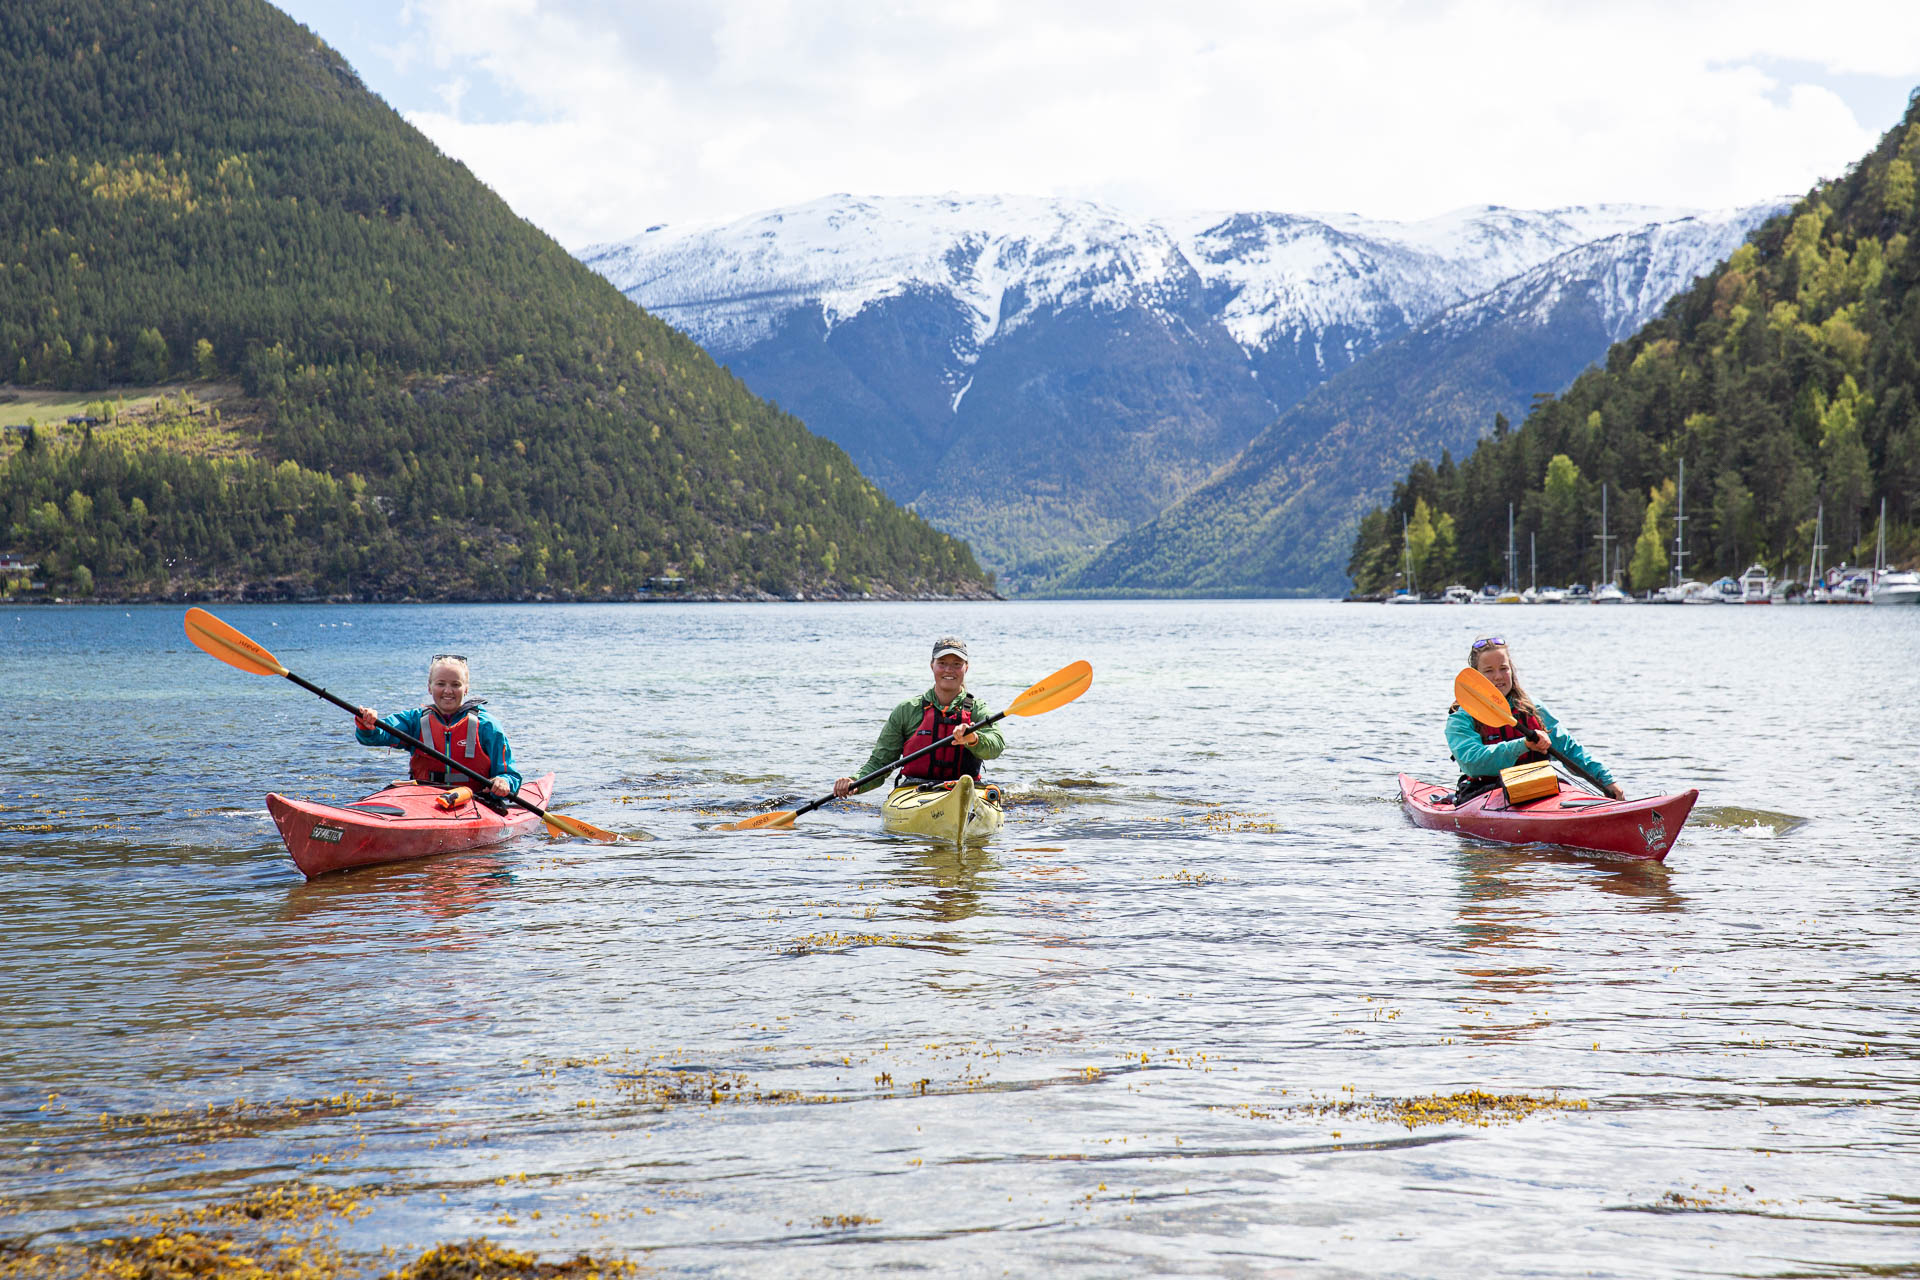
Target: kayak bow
{"points": [[960, 812], [1643, 829]]}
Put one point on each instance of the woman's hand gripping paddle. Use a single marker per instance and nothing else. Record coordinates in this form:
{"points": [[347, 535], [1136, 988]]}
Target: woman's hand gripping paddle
{"points": [[1057, 690], [238, 650], [1487, 705]]}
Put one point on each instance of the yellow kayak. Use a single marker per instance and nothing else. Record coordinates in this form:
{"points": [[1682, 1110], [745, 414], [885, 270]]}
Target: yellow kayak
{"points": [[959, 812]]}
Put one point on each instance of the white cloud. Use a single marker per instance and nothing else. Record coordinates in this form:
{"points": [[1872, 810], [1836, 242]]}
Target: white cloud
{"points": [[595, 118]]}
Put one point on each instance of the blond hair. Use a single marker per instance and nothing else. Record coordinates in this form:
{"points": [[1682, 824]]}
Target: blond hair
{"points": [[449, 660], [1516, 697]]}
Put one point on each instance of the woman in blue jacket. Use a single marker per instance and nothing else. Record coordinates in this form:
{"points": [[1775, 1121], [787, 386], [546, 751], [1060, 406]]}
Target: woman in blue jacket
{"points": [[450, 725], [1483, 751]]}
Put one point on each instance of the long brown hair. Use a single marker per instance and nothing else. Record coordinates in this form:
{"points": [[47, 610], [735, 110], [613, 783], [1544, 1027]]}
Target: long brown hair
{"points": [[1517, 697]]}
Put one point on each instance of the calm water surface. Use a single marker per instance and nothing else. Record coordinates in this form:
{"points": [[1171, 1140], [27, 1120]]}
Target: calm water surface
{"points": [[1107, 1044]]}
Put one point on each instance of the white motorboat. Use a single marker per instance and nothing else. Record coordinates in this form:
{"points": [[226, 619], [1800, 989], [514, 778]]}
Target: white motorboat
{"points": [[1756, 585], [1897, 586], [1680, 593], [1551, 595], [1457, 594], [1609, 593]]}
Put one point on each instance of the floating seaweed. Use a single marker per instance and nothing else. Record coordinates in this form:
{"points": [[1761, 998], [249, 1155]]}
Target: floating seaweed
{"points": [[239, 1118], [1471, 1106], [276, 1233]]}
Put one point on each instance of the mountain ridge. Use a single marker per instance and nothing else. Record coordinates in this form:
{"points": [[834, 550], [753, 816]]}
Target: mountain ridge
{"points": [[1043, 375]]}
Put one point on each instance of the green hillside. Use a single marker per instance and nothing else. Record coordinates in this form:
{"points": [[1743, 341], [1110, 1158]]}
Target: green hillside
{"points": [[1787, 378], [433, 397]]}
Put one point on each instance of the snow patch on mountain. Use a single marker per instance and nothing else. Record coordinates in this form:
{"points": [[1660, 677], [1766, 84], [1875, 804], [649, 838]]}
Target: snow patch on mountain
{"points": [[1001, 257], [1278, 277], [1630, 275], [1270, 278]]}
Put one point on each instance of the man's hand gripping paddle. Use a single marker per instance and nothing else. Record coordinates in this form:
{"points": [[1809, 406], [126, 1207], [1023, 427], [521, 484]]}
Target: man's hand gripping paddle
{"points": [[1057, 690]]}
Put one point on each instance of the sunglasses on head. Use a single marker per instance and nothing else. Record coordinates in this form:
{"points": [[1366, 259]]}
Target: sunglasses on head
{"points": [[461, 657], [1488, 643]]}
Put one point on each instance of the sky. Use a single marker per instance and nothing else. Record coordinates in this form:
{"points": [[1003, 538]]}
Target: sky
{"points": [[596, 119]]}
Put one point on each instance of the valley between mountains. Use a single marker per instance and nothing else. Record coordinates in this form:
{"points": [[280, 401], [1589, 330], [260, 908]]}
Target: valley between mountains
{"points": [[1076, 390]]}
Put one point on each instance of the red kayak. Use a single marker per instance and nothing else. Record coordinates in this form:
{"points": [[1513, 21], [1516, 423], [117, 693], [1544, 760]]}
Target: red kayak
{"points": [[402, 821], [1572, 819]]}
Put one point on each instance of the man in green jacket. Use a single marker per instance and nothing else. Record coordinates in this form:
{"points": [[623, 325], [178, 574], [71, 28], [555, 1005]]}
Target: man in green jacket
{"points": [[947, 708]]}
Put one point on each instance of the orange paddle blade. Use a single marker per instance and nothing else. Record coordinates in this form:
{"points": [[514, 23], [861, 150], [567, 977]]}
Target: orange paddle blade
{"points": [[1057, 690], [1479, 699], [230, 646], [560, 822], [781, 819]]}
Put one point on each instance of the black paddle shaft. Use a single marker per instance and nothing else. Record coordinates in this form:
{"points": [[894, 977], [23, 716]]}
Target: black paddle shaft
{"points": [[860, 782], [416, 744], [1586, 777]]}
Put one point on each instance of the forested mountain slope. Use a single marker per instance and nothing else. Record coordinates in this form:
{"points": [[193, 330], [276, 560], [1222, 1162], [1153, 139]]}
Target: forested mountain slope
{"points": [[437, 400], [1785, 380]]}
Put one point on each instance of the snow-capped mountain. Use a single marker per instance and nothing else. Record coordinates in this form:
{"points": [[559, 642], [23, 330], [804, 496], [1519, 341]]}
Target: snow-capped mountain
{"points": [[1280, 519], [1039, 374], [1272, 279]]}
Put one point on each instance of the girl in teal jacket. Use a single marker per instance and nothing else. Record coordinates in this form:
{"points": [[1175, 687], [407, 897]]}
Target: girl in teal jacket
{"points": [[1483, 753]]}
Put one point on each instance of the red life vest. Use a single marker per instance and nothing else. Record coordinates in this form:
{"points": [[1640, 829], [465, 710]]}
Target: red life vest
{"points": [[950, 761], [461, 740], [1526, 722]]}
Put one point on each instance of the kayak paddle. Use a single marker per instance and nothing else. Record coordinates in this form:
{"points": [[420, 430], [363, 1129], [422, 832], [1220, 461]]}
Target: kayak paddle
{"points": [[1057, 690], [238, 650], [1479, 698]]}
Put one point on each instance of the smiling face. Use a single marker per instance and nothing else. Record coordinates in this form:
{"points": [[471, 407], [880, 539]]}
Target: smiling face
{"points": [[949, 676], [1496, 665], [447, 686]]}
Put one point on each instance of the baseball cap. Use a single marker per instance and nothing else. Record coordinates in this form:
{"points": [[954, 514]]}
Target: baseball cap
{"points": [[950, 644]]}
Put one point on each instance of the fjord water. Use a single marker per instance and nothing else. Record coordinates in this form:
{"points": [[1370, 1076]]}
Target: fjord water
{"points": [[1113, 1041]]}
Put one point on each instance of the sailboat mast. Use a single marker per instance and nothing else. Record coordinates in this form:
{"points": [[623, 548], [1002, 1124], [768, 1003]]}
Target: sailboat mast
{"points": [[1815, 564], [1510, 574], [1406, 555], [1680, 527], [1880, 555], [1604, 537], [1533, 566]]}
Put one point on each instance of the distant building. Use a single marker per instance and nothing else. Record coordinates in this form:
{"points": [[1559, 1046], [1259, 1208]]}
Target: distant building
{"points": [[13, 566], [82, 420]]}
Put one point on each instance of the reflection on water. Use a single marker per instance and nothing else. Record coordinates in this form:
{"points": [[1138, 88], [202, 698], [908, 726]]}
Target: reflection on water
{"points": [[1116, 1040], [950, 881], [444, 887], [1512, 902]]}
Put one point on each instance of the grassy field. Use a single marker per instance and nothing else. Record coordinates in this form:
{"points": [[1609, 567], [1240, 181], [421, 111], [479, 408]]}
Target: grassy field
{"points": [[210, 418]]}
